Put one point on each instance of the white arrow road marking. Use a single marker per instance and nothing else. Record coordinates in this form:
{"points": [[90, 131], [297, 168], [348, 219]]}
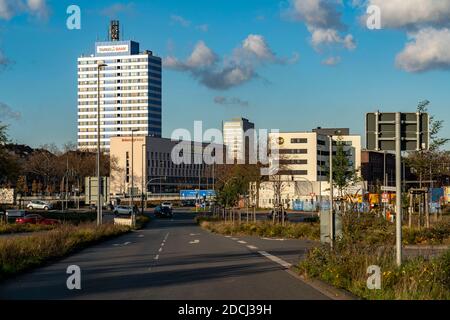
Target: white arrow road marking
{"points": [[121, 244], [194, 242], [252, 247], [281, 262], [242, 242]]}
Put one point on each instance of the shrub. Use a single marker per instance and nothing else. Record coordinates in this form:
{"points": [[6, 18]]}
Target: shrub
{"points": [[362, 245], [263, 229]]}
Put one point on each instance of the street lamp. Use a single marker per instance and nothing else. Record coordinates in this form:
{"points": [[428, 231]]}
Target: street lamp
{"points": [[155, 179], [331, 194], [100, 65], [132, 171], [144, 151]]}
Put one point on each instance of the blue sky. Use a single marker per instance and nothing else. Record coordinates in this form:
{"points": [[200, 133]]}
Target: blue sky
{"points": [[293, 83]]}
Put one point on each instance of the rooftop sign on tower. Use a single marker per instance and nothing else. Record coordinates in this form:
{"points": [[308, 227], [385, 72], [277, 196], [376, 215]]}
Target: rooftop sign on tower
{"points": [[114, 30]]}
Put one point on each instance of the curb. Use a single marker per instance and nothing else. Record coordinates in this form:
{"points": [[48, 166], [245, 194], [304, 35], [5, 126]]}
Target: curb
{"points": [[325, 288]]}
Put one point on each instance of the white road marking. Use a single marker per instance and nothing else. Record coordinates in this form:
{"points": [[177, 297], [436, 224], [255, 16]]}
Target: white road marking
{"points": [[235, 239], [160, 249], [242, 242], [194, 242], [116, 244], [252, 247], [127, 243], [157, 257], [194, 234], [140, 236], [227, 236], [281, 262], [273, 239]]}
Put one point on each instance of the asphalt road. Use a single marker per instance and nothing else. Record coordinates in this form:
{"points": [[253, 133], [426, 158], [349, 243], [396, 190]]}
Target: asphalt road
{"points": [[173, 259]]}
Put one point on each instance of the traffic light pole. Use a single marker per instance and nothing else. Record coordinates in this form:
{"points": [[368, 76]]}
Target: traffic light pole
{"points": [[398, 177]]}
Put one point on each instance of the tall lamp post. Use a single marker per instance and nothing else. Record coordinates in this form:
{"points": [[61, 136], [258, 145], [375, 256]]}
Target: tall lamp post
{"points": [[100, 65], [132, 172], [331, 194], [144, 173]]}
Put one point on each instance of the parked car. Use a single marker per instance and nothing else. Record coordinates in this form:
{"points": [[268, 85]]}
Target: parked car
{"points": [[124, 210], [36, 219], [166, 204], [188, 203], [39, 204], [93, 207], [15, 213], [163, 212]]}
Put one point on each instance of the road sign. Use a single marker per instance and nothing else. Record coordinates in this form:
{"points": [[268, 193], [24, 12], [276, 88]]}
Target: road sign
{"points": [[389, 189], [396, 131], [385, 198], [381, 132]]}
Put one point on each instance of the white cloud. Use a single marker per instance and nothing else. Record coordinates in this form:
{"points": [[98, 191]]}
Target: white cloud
{"points": [[203, 64], [413, 13], [331, 61], [180, 20], [203, 27], [427, 23], [230, 101], [257, 45], [12, 8], [428, 49], [7, 113], [324, 22], [320, 37], [202, 56], [318, 13]]}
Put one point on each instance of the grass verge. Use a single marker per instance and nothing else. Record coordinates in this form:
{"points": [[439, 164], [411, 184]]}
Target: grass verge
{"points": [[368, 241], [19, 228], [262, 229], [23, 253]]}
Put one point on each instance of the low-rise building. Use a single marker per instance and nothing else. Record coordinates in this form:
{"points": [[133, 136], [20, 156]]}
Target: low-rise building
{"points": [[147, 164]]}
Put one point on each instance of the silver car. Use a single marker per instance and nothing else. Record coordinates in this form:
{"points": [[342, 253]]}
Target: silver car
{"points": [[123, 210], [39, 204]]}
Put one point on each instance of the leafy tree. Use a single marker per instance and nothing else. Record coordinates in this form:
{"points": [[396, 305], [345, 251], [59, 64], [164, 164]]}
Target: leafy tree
{"points": [[344, 173], [433, 163]]}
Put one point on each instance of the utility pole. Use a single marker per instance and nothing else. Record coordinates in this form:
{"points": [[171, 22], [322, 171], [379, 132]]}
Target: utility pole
{"points": [[398, 178], [331, 195]]}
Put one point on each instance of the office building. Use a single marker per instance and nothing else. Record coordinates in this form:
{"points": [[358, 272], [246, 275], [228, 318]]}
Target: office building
{"points": [[303, 160], [147, 163], [235, 139], [130, 92]]}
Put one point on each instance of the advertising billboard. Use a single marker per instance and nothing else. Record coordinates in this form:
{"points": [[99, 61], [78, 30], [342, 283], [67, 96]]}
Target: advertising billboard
{"points": [[196, 194]]}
